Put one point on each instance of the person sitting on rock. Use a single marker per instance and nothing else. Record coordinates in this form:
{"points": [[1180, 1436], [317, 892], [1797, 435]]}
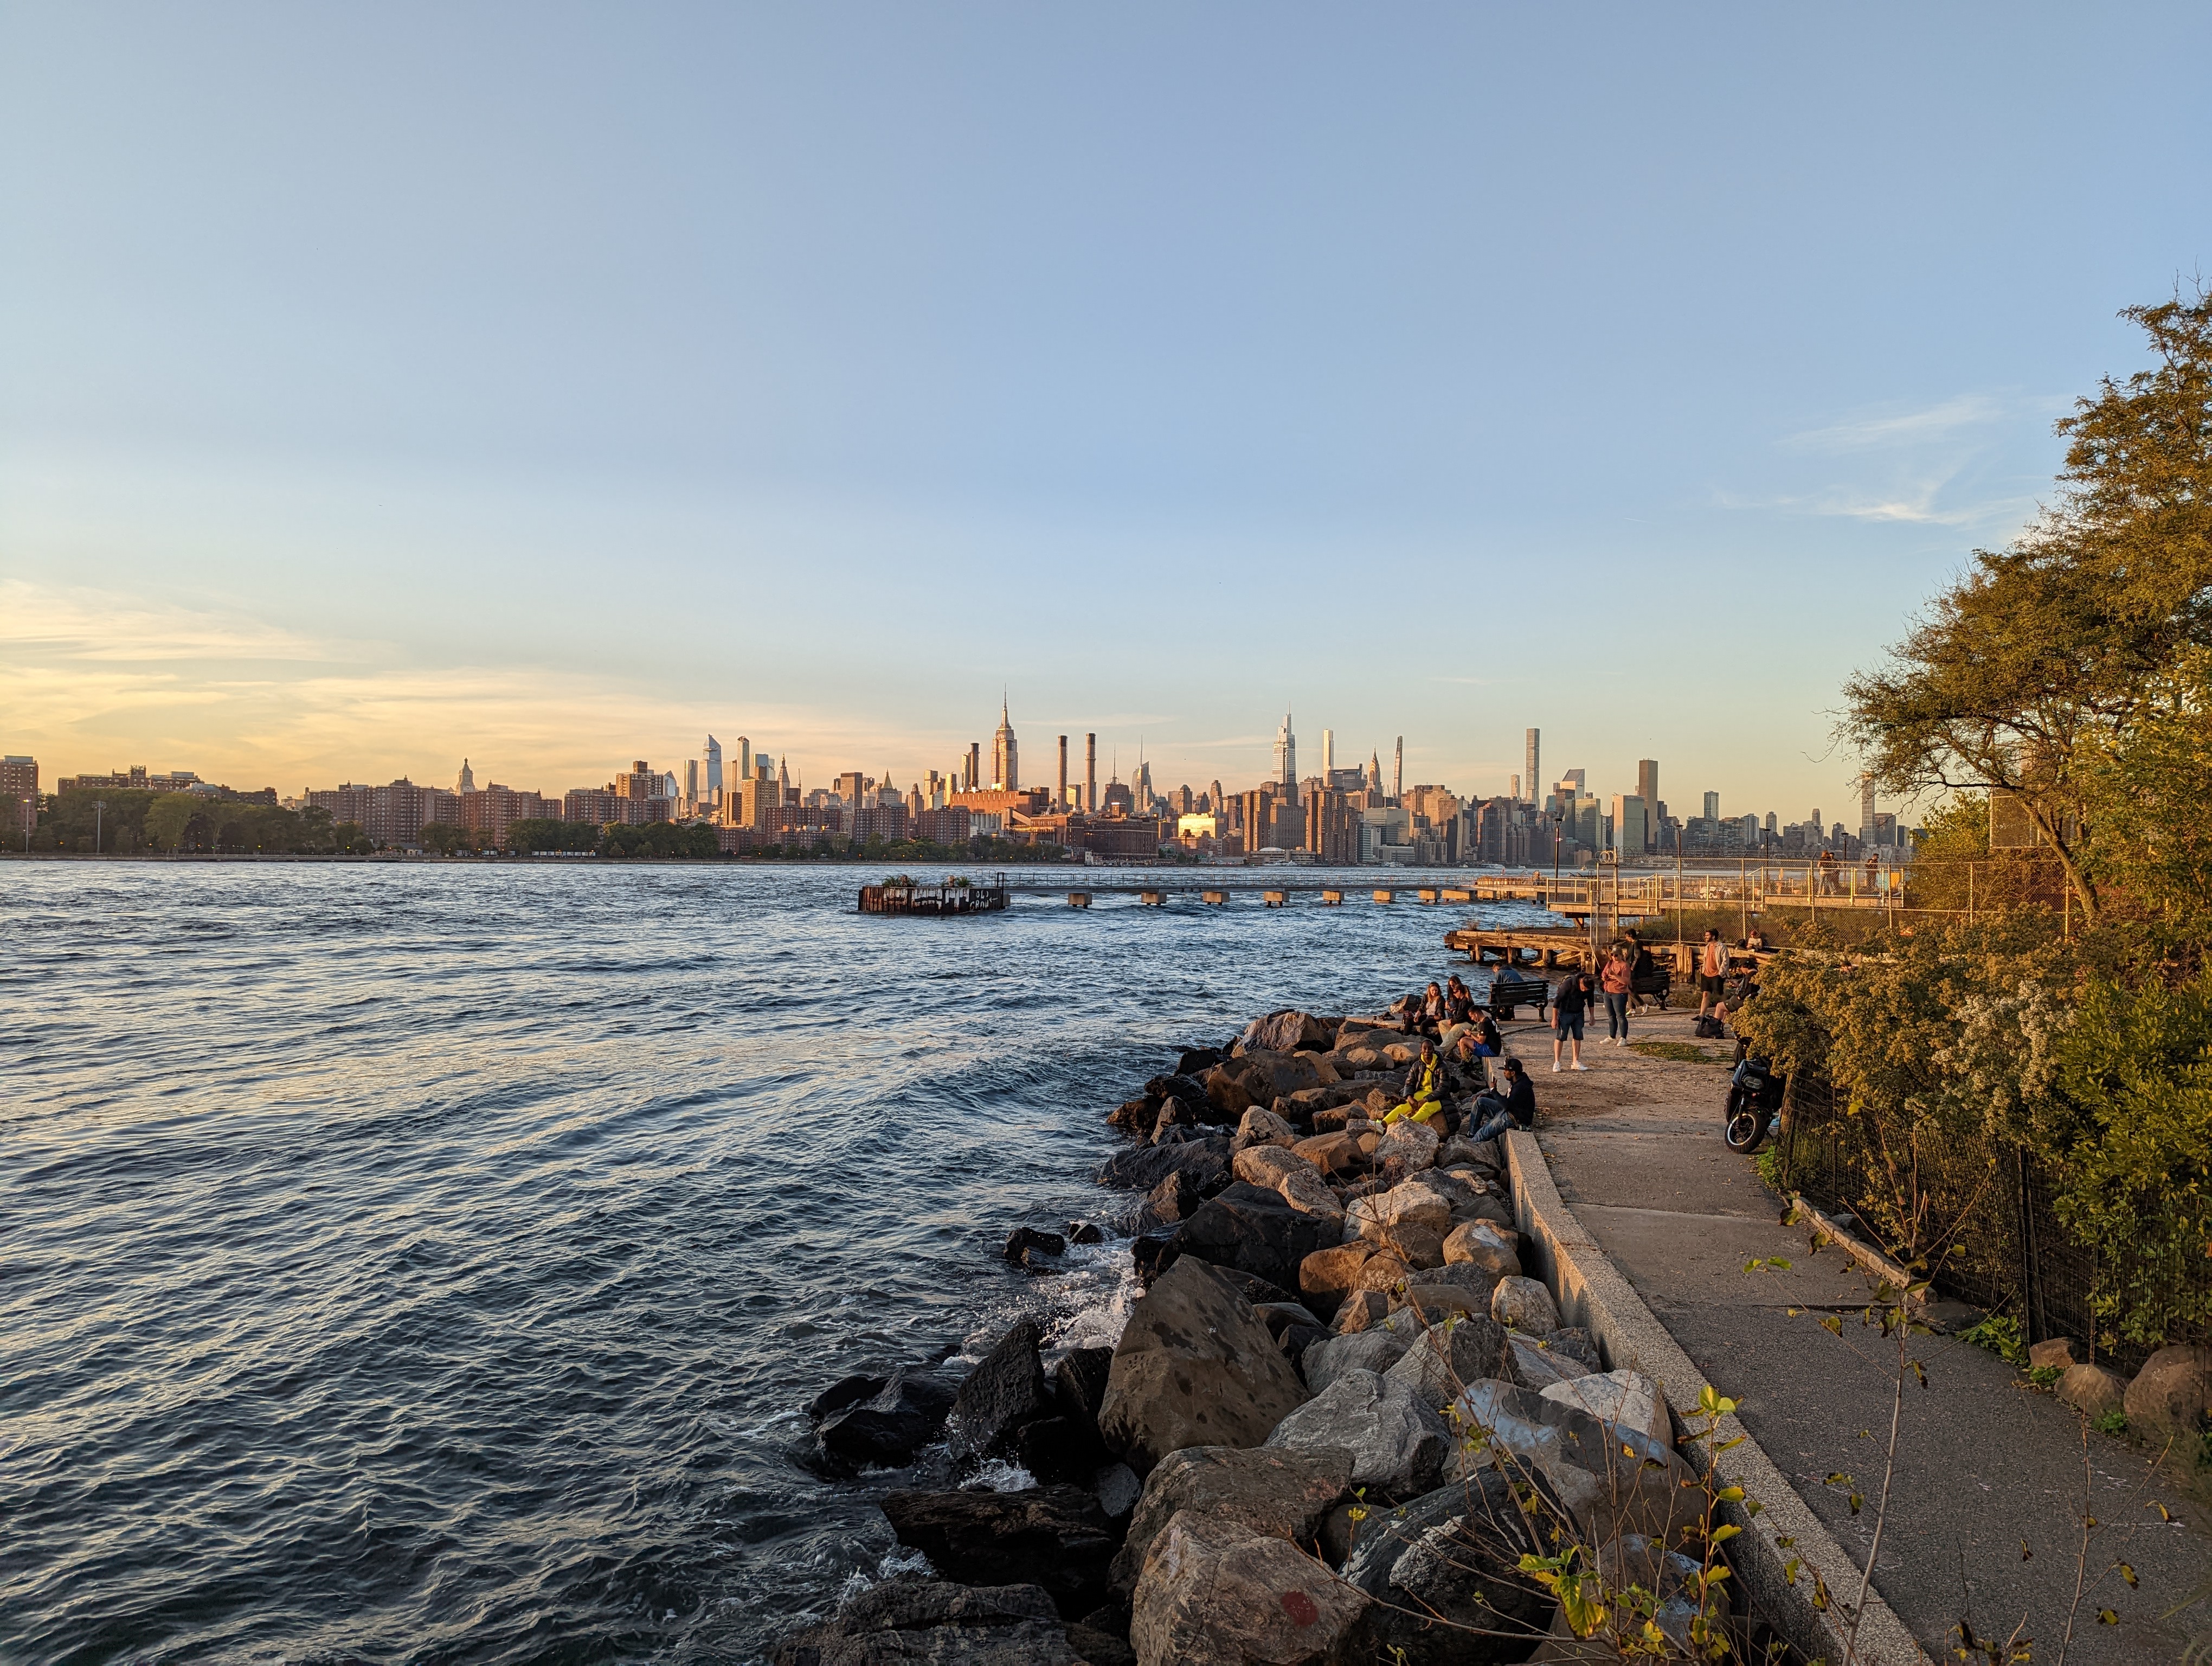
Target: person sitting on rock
{"points": [[1459, 1002], [1501, 1113], [1474, 1038], [1424, 1087]]}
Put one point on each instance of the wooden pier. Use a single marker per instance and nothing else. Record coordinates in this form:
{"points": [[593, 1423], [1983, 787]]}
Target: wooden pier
{"points": [[953, 897]]}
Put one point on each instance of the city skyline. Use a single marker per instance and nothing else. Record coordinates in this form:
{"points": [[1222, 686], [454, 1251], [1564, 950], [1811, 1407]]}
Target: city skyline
{"points": [[801, 363]]}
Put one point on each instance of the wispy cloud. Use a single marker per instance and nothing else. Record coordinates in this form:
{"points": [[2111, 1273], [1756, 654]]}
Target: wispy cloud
{"points": [[1956, 416]]}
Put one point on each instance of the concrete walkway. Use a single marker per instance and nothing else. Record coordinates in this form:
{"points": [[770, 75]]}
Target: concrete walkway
{"points": [[1988, 1467]]}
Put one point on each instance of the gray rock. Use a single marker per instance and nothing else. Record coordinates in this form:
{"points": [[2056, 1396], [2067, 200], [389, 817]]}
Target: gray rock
{"points": [[1194, 1367], [1524, 1306], [1410, 1143], [1140, 1168], [1476, 1244], [1489, 1207], [1256, 1231], [1444, 1359], [1054, 1537], [1287, 1031], [1375, 1350], [1611, 1479], [1215, 1593], [1262, 1128], [1436, 1302], [1286, 1493], [2172, 1392], [1398, 1445], [910, 1619], [1006, 1390], [1456, 1554], [1172, 1202], [886, 1430], [1576, 1344], [1118, 1490], [1628, 1398], [2093, 1391], [1536, 1367]]}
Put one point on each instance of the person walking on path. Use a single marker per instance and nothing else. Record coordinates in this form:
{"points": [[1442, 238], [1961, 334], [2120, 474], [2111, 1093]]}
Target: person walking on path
{"points": [[1618, 978], [1712, 971], [1569, 1003]]}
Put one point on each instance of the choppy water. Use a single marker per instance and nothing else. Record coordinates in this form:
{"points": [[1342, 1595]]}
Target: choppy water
{"points": [[430, 1264]]}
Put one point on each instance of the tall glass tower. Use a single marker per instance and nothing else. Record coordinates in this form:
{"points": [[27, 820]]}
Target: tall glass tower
{"points": [[1286, 758]]}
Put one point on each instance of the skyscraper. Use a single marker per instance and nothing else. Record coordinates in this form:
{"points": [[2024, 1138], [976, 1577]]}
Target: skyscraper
{"points": [[1398, 769], [1090, 775], [713, 769], [1286, 756], [467, 783], [1713, 806], [1006, 776], [1328, 752], [1647, 783], [1061, 802], [744, 759], [1529, 773], [1866, 807]]}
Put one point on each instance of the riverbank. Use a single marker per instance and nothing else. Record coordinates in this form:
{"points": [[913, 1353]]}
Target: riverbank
{"points": [[1338, 1422]]}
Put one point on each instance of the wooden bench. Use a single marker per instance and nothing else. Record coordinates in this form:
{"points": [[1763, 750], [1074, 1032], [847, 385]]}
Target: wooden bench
{"points": [[1508, 992]]}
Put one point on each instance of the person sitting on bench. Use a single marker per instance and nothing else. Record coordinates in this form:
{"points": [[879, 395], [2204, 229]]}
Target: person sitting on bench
{"points": [[1501, 1113], [1424, 1087]]}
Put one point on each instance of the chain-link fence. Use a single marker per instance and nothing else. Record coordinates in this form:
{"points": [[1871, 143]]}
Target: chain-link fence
{"points": [[1981, 1214]]}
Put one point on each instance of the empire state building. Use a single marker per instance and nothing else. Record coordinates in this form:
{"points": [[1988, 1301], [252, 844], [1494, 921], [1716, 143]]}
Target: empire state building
{"points": [[1005, 772]]}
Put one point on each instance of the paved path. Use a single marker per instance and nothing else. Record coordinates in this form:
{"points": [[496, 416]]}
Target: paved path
{"points": [[1986, 1465]]}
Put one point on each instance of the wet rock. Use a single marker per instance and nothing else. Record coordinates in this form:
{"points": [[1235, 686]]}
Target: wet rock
{"points": [[1453, 1553], [1057, 1538], [1197, 1061], [887, 1429], [1134, 1115], [1524, 1304], [2093, 1390], [1476, 1244], [1189, 1087], [2172, 1392], [1445, 1358], [1140, 1168], [1398, 1445], [909, 1619], [1025, 1239], [1175, 1122], [1003, 1391], [1194, 1367], [1262, 1128], [1627, 1398], [1256, 1231], [1082, 1231], [1059, 1448], [1286, 1493], [1373, 1350], [1326, 1276], [1151, 1256], [845, 1391], [1079, 1381]]}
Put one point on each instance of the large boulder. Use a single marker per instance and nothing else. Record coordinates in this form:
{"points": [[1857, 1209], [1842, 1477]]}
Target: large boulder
{"points": [[1445, 1358], [1326, 1276], [1477, 1244], [1376, 1350], [911, 1619], [2172, 1392], [1277, 1169], [1170, 1203], [1287, 1031], [1411, 1145], [1627, 1398], [1487, 1207], [1525, 1306], [1194, 1367], [1227, 1097], [1184, 1085], [1214, 1592], [888, 1428], [1140, 1168], [1269, 1075], [1006, 1390], [1397, 1444], [2093, 1391], [1335, 1153], [1410, 1203], [1534, 1365], [1362, 1310], [1268, 1490], [1262, 1127], [1452, 1555], [1054, 1537], [1611, 1479], [845, 1391], [1438, 1303], [1256, 1231]]}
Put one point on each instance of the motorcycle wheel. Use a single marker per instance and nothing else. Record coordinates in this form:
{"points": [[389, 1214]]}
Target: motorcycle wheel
{"points": [[1744, 1129]]}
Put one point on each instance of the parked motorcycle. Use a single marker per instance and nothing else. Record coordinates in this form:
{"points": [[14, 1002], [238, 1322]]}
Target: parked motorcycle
{"points": [[1752, 1113]]}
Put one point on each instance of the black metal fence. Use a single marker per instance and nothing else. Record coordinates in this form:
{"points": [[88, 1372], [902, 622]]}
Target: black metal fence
{"points": [[1980, 1212]]}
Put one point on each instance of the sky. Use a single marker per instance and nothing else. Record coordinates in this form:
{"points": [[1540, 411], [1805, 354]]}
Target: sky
{"points": [[551, 385]]}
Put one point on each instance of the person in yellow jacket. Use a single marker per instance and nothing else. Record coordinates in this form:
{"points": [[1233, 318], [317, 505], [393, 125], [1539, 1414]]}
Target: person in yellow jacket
{"points": [[1424, 1088]]}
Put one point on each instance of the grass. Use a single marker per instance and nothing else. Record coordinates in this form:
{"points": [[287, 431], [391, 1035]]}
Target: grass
{"points": [[2000, 1335], [2112, 1423]]}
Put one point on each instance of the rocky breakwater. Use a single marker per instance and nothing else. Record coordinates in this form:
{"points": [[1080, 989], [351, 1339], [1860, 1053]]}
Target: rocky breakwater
{"points": [[1338, 1418]]}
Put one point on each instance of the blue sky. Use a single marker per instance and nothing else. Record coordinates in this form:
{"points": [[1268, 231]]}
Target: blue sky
{"points": [[552, 384]]}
